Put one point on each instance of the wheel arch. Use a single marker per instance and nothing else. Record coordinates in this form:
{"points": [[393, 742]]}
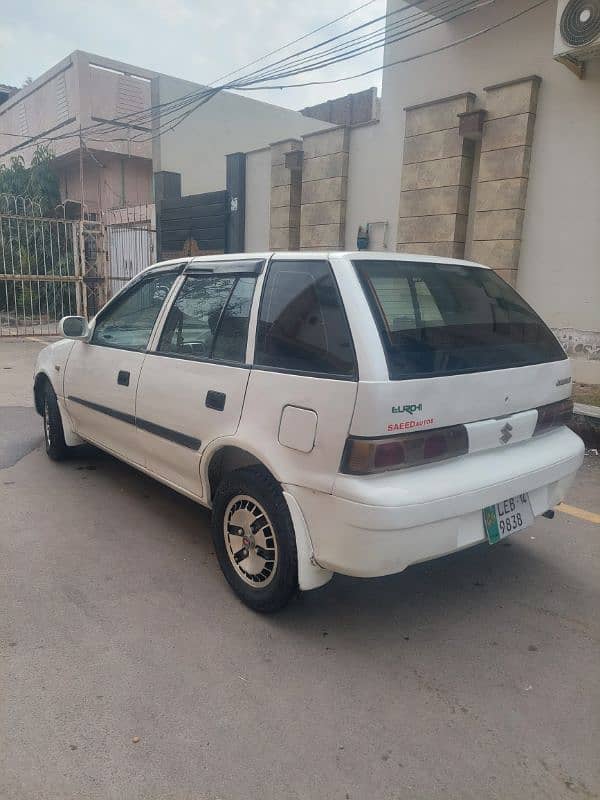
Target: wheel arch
{"points": [[225, 457], [40, 381]]}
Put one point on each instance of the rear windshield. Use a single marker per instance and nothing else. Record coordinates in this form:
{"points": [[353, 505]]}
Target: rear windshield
{"points": [[445, 319]]}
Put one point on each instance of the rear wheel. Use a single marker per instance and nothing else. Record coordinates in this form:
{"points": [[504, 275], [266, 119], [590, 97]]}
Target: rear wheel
{"points": [[254, 539], [54, 435]]}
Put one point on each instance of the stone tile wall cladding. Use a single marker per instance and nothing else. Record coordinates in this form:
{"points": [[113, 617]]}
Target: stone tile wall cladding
{"points": [[436, 179], [324, 182], [286, 189], [503, 175]]}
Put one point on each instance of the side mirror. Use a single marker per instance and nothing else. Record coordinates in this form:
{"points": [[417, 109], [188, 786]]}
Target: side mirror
{"points": [[74, 328]]}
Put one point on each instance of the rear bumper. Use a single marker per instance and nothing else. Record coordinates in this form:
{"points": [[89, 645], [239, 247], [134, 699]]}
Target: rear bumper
{"points": [[379, 525]]}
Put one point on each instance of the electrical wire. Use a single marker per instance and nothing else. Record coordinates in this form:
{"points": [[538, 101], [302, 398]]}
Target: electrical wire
{"points": [[408, 59], [136, 116], [103, 129], [197, 98], [264, 77], [195, 95], [27, 136], [460, 8], [180, 109], [294, 41], [354, 51], [388, 27]]}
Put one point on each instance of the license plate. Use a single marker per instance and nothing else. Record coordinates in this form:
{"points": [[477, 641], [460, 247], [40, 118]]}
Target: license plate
{"points": [[507, 517]]}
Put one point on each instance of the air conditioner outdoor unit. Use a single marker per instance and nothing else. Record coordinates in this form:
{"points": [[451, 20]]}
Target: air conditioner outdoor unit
{"points": [[577, 33]]}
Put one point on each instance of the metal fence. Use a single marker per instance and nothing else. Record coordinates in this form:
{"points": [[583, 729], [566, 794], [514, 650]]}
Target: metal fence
{"points": [[53, 267], [40, 275], [130, 243]]}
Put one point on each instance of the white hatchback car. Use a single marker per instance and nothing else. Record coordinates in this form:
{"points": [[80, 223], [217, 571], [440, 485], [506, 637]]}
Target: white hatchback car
{"points": [[341, 412]]}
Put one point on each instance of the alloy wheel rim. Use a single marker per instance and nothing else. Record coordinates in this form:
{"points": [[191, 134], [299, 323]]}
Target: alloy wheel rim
{"points": [[250, 541]]}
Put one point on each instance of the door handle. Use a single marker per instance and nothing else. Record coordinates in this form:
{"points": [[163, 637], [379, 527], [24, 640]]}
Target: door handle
{"points": [[123, 378], [215, 400]]}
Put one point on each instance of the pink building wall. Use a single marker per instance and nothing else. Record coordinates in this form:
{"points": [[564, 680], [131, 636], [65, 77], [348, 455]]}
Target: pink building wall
{"points": [[83, 90], [118, 182]]}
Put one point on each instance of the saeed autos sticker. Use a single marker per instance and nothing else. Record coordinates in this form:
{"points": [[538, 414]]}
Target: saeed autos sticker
{"points": [[410, 424]]}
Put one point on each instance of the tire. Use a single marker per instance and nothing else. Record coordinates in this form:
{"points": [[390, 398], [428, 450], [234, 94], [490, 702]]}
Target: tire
{"points": [[54, 435], [266, 578]]}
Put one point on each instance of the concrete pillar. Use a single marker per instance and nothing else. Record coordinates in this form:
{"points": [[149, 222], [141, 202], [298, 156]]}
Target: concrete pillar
{"points": [[167, 186], [436, 179], [324, 185], [236, 189], [286, 188], [503, 175]]}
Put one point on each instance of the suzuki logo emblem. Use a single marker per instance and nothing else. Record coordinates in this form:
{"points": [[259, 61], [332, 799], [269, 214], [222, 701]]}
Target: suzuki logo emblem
{"points": [[506, 433]]}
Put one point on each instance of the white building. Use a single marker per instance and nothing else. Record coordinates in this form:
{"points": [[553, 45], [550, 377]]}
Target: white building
{"points": [[485, 150], [229, 123]]}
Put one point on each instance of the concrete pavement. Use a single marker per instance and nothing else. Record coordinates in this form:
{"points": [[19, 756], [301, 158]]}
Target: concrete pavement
{"points": [[17, 360], [473, 676]]}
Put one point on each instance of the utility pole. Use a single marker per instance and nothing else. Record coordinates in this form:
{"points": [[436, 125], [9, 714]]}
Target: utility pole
{"points": [[81, 167], [82, 264]]}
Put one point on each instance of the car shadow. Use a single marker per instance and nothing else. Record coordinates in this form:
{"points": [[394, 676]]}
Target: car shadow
{"points": [[474, 583]]}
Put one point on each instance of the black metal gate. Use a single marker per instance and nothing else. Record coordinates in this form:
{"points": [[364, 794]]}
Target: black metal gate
{"points": [[193, 225]]}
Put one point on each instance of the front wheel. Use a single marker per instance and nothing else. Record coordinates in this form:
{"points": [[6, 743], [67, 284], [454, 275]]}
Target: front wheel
{"points": [[54, 435], [254, 539]]}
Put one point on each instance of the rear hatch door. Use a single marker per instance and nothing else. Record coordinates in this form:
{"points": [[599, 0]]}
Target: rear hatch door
{"points": [[462, 347]]}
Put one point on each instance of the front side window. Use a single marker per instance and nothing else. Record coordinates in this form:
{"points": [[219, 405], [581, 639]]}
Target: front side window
{"points": [[302, 326], [128, 322], [209, 318], [446, 319]]}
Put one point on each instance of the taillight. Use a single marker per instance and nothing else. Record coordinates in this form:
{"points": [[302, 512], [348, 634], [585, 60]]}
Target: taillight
{"points": [[365, 456], [553, 415]]}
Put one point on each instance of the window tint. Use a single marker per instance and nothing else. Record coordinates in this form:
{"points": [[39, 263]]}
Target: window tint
{"points": [[429, 313], [128, 322], [405, 302], [395, 297], [302, 326], [209, 318], [230, 341], [444, 319]]}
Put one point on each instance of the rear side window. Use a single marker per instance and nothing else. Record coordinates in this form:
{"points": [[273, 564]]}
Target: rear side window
{"points": [[302, 326], [209, 319], [445, 319]]}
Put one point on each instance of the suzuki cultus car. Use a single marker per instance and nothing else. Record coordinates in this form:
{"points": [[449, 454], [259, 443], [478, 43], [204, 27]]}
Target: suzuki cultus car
{"points": [[342, 412]]}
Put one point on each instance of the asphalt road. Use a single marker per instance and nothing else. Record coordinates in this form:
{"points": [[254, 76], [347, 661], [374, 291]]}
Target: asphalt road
{"points": [[475, 676]]}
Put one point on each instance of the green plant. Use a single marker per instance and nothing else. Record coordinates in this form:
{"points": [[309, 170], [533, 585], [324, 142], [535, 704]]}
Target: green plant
{"points": [[29, 246], [38, 181]]}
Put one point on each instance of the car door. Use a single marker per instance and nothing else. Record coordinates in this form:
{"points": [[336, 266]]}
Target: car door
{"points": [[102, 374], [194, 378], [302, 389]]}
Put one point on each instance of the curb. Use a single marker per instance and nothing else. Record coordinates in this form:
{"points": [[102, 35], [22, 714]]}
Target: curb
{"points": [[586, 423]]}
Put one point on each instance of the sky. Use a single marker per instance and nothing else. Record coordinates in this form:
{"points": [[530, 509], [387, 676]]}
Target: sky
{"points": [[198, 40]]}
